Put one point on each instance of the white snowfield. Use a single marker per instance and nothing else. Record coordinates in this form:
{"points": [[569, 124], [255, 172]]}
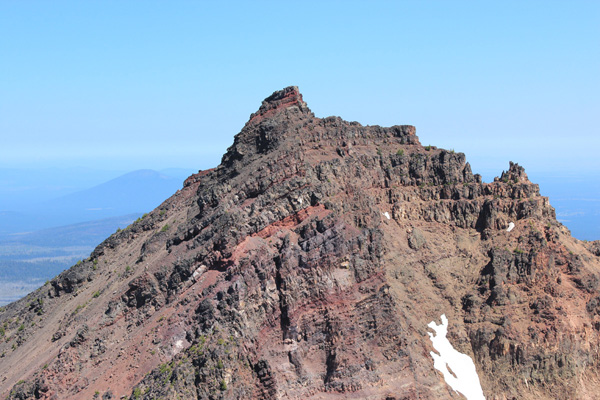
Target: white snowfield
{"points": [[511, 225], [457, 368], [386, 214]]}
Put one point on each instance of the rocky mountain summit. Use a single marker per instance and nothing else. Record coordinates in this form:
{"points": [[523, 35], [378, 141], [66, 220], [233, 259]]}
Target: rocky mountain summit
{"points": [[308, 266]]}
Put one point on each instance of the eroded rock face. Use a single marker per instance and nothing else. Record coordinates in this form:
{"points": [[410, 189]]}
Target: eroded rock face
{"points": [[278, 274]]}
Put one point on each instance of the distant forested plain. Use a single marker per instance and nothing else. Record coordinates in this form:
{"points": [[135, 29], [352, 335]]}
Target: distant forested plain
{"points": [[20, 276], [52, 218], [28, 260], [17, 278]]}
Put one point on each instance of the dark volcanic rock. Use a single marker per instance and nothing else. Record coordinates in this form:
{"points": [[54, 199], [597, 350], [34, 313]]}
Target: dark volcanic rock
{"points": [[307, 266]]}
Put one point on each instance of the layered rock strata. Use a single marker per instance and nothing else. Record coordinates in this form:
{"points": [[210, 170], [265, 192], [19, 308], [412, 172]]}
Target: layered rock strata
{"points": [[307, 265]]}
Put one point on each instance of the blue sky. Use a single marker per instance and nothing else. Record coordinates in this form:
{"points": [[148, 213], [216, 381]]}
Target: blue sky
{"points": [[129, 85]]}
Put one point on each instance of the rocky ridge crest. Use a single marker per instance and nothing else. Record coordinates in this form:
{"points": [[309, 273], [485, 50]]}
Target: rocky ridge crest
{"points": [[307, 266]]}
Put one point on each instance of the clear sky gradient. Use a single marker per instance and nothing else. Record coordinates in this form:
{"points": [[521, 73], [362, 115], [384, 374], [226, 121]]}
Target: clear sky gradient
{"points": [[144, 84]]}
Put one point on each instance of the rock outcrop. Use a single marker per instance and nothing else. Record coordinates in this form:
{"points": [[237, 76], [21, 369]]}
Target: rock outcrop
{"points": [[307, 266]]}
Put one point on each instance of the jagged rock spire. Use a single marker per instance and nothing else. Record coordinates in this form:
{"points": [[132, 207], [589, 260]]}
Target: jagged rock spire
{"points": [[515, 174], [280, 100]]}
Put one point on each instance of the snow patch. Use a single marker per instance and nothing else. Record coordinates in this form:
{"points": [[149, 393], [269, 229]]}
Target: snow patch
{"points": [[511, 225], [177, 347], [386, 214], [198, 272], [457, 368]]}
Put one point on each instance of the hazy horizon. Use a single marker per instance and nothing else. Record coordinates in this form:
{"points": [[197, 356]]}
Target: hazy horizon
{"points": [[150, 84], [127, 86]]}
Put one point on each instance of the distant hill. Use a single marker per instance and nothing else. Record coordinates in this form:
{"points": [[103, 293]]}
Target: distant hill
{"points": [[88, 234], [24, 187], [135, 192]]}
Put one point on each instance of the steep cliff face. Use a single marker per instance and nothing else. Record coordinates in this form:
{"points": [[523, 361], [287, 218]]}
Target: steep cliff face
{"points": [[307, 266]]}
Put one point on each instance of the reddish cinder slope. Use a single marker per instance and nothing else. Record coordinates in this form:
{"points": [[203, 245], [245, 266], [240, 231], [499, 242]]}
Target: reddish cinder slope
{"points": [[279, 275]]}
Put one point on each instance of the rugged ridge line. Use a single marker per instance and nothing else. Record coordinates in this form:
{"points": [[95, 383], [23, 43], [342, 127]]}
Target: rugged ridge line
{"points": [[307, 265]]}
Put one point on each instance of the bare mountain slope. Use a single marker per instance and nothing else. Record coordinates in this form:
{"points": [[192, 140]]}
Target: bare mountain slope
{"points": [[307, 266]]}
